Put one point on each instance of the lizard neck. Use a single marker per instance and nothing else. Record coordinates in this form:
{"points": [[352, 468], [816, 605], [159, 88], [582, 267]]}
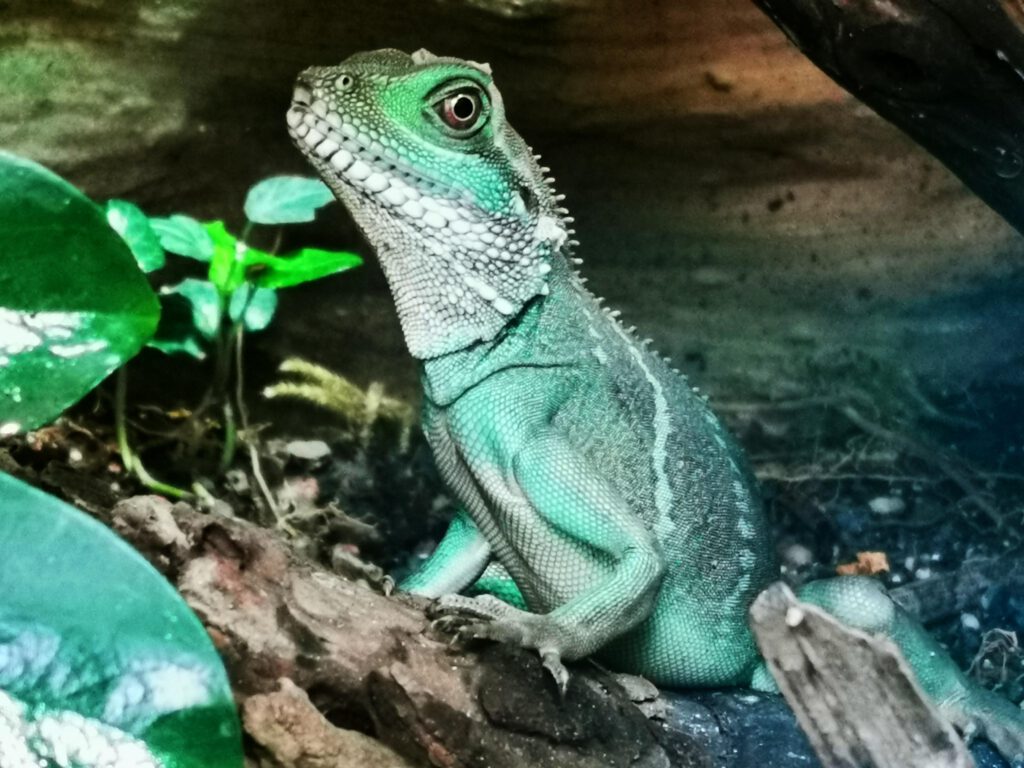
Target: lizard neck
{"points": [[535, 337], [453, 290]]}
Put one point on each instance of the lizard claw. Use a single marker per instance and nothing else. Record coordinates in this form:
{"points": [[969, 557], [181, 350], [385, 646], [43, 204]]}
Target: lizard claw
{"points": [[450, 624], [462, 628], [552, 662], [970, 732], [487, 618]]}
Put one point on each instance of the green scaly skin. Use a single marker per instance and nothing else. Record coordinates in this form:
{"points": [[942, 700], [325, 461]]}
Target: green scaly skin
{"points": [[588, 469]]}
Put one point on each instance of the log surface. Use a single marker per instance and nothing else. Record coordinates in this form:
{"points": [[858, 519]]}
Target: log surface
{"points": [[307, 650], [853, 694]]}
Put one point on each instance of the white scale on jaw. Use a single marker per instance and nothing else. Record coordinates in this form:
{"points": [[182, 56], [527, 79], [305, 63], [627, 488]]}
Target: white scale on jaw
{"points": [[343, 145]]}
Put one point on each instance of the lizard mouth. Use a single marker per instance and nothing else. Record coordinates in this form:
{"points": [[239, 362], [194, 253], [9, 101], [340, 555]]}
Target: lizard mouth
{"points": [[347, 153]]}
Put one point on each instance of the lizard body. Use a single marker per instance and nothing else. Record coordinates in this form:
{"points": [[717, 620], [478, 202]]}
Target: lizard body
{"points": [[586, 467]]}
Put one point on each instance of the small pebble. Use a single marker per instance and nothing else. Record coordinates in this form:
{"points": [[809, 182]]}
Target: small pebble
{"points": [[887, 505], [309, 450], [797, 556]]}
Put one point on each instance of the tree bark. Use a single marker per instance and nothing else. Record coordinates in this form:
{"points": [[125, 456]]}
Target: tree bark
{"points": [[318, 661]]}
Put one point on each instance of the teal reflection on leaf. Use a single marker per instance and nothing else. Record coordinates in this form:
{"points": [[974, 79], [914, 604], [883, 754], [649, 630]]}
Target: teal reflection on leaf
{"points": [[99, 656]]}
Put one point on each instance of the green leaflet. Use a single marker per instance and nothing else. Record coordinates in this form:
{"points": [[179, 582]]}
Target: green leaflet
{"points": [[227, 267], [74, 305], [234, 263], [190, 318], [90, 634], [134, 228], [204, 303], [254, 306], [184, 236], [302, 266], [286, 200]]}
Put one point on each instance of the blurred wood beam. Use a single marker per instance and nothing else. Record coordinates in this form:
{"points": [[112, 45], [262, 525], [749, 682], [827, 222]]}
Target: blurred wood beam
{"points": [[948, 72]]}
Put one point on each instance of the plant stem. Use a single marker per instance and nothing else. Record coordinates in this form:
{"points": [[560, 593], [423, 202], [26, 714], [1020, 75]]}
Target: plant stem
{"points": [[254, 456], [156, 485], [227, 454], [120, 421], [132, 463]]}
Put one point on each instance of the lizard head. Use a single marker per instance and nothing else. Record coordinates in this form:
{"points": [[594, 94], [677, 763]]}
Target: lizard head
{"points": [[448, 194]]}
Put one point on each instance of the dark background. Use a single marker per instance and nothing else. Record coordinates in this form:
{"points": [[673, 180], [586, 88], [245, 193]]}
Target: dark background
{"points": [[756, 220]]}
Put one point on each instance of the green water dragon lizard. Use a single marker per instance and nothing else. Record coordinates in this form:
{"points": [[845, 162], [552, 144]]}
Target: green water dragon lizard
{"points": [[586, 467]]}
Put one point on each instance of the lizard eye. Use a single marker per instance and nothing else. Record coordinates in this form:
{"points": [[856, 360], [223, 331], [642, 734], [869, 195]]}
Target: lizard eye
{"points": [[461, 111]]}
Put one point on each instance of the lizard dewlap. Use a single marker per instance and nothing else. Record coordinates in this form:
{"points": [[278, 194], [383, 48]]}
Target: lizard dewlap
{"points": [[587, 469]]}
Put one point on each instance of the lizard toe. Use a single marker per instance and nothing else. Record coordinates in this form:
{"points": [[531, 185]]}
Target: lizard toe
{"points": [[449, 625], [969, 732], [460, 605], [552, 661]]}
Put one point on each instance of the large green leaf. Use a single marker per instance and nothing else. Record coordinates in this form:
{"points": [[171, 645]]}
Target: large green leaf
{"points": [[73, 303], [302, 266], [286, 200], [98, 651]]}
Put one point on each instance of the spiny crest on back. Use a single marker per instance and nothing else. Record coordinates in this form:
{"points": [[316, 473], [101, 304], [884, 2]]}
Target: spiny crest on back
{"points": [[462, 216]]}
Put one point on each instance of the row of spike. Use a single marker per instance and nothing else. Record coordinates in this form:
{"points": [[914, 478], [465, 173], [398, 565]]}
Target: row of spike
{"points": [[571, 245]]}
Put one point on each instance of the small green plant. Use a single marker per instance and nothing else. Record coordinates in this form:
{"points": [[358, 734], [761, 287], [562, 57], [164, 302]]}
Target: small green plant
{"points": [[101, 661], [210, 316], [75, 303]]}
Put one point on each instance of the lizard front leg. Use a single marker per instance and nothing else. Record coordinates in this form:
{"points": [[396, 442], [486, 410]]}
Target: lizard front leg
{"points": [[568, 527], [458, 561]]}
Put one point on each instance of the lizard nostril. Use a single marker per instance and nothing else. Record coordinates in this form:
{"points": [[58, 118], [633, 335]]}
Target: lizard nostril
{"points": [[303, 93]]}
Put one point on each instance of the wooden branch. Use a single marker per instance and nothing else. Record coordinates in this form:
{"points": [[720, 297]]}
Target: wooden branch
{"points": [[950, 594], [948, 72], [307, 650], [853, 694]]}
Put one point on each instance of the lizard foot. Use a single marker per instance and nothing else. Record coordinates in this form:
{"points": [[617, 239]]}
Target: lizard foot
{"points": [[487, 618]]}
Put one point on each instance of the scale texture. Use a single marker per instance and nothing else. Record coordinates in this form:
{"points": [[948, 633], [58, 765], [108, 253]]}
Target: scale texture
{"points": [[590, 473]]}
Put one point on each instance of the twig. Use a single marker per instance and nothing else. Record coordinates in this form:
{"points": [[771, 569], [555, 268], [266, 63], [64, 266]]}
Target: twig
{"points": [[933, 456], [254, 457]]}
